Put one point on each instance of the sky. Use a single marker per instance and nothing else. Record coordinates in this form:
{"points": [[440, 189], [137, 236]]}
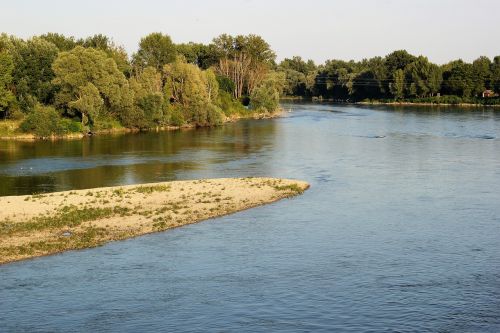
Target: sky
{"points": [[442, 30]]}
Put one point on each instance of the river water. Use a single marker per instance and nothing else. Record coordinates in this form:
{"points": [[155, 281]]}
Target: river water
{"points": [[400, 230]]}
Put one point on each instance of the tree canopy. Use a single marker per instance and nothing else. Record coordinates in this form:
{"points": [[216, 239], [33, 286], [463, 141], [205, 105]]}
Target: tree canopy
{"points": [[92, 84]]}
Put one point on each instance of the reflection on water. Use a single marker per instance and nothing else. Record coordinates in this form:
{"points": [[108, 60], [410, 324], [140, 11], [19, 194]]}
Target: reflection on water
{"points": [[399, 231], [28, 167]]}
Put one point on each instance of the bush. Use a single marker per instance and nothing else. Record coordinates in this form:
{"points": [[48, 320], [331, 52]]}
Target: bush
{"points": [[265, 98], [225, 84], [16, 115], [175, 116], [45, 121], [229, 105]]}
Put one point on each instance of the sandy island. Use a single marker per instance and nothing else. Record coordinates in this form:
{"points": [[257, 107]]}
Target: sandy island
{"points": [[43, 224]]}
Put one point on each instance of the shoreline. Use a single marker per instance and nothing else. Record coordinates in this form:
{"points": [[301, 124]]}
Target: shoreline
{"points": [[326, 100], [45, 224], [427, 104], [117, 131]]}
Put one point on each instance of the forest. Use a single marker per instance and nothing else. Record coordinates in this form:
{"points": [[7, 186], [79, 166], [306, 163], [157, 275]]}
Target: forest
{"points": [[399, 76], [54, 84]]}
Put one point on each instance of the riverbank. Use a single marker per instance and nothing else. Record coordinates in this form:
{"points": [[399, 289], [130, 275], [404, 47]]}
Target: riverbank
{"points": [[426, 104], [43, 224], [10, 129]]}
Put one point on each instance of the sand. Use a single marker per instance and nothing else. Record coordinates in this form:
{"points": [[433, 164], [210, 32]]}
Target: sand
{"points": [[38, 225]]}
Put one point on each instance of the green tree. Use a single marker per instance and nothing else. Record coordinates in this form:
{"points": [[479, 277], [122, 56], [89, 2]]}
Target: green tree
{"points": [[495, 74], [243, 59], [118, 53], [6, 68], [188, 89], [32, 74], [481, 75], [397, 85], [148, 100], [46, 121], [89, 103], [79, 71], [62, 42], [155, 50], [457, 78], [265, 98], [398, 60]]}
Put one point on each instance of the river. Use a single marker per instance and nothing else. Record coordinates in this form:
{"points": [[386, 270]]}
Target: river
{"points": [[400, 230]]}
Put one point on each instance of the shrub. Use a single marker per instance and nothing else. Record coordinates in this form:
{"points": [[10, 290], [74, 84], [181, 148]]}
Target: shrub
{"points": [[229, 105], [45, 121], [175, 116]]}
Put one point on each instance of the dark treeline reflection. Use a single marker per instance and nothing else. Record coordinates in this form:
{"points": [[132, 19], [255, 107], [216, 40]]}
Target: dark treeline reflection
{"points": [[46, 166]]}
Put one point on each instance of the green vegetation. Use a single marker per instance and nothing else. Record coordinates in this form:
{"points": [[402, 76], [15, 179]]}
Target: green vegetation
{"points": [[54, 85], [397, 77], [58, 84]]}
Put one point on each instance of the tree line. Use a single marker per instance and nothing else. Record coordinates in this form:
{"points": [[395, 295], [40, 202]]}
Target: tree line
{"points": [[398, 76], [58, 84]]}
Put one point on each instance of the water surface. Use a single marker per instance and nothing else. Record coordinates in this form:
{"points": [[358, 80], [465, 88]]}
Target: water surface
{"points": [[399, 231]]}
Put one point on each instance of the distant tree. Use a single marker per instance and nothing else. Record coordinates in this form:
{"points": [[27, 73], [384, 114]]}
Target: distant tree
{"points": [[88, 102], [118, 53], [424, 77], [299, 76], [80, 74], [189, 90], [457, 79], [243, 59], [265, 98], [6, 68], [481, 75], [397, 85], [148, 99], [32, 74], [495, 74], [155, 50], [62, 42], [204, 56], [398, 60]]}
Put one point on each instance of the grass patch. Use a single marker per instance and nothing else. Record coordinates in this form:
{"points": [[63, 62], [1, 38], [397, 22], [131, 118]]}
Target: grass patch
{"points": [[290, 188], [68, 216], [152, 189]]}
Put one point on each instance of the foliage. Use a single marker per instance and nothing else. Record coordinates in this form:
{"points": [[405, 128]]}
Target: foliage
{"points": [[90, 83], [155, 50], [95, 86], [45, 121], [265, 98], [192, 91], [6, 68]]}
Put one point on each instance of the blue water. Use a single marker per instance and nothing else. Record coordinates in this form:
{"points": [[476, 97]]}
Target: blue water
{"points": [[399, 232]]}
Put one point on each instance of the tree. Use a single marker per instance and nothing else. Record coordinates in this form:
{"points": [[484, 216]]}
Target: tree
{"points": [[155, 50], [243, 59], [265, 98], [32, 74], [148, 100], [190, 91], [495, 74], [118, 53], [457, 78], [6, 68], [397, 85], [204, 56], [82, 72], [62, 42], [89, 103], [481, 75], [398, 60]]}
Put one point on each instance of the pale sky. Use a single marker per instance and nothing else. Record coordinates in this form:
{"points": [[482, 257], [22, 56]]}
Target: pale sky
{"points": [[315, 29]]}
